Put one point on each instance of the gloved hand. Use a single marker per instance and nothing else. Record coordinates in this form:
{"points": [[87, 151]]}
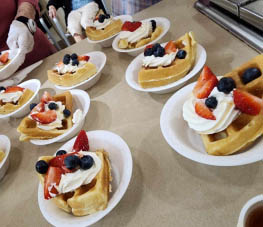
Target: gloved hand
{"points": [[52, 12], [20, 37], [89, 13]]}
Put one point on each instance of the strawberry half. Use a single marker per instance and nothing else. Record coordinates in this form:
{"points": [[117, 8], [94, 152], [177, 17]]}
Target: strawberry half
{"points": [[40, 107], [14, 89], [4, 57], [205, 84], [83, 58], [170, 47], [148, 46], [247, 103], [81, 142], [203, 111], [58, 161], [45, 117], [46, 97], [131, 26]]}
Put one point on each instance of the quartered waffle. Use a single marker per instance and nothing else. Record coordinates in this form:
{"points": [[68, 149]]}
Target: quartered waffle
{"points": [[6, 108], [28, 127], [246, 128], [89, 198], [155, 77], [70, 79]]}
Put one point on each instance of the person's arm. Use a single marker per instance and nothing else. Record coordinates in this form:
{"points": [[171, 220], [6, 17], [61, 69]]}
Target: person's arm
{"points": [[52, 7], [26, 9]]}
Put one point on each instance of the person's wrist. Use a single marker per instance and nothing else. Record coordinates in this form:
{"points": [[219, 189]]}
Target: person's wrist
{"points": [[51, 7], [31, 24]]}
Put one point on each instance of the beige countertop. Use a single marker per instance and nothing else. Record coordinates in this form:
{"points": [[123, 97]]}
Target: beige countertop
{"points": [[166, 189]]}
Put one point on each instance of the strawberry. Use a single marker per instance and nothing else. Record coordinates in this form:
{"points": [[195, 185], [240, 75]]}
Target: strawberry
{"points": [[170, 47], [13, 89], [40, 107], [131, 26], [148, 46], [81, 142], [4, 58], [60, 64], [46, 97], [45, 117], [205, 84], [203, 111], [58, 161], [52, 178], [83, 58], [247, 103]]}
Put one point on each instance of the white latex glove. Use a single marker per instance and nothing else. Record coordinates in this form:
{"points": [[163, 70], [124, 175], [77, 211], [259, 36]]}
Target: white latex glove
{"points": [[20, 37], [89, 13]]}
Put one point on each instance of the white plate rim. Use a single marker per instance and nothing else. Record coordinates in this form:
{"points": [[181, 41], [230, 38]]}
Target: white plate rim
{"points": [[7, 149]]}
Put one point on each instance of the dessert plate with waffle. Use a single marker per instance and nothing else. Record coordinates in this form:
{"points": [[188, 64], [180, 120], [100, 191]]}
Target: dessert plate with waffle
{"points": [[78, 72], [55, 118], [136, 35], [218, 120], [5, 146], [15, 100], [85, 179], [166, 67]]}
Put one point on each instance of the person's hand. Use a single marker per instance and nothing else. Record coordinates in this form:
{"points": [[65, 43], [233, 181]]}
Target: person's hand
{"points": [[52, 11], [20, 37]]}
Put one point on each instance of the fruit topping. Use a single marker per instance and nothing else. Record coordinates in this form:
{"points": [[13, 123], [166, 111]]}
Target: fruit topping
{"points": [[250, 74], [170, 47], [74, 56], [156, 46], [205, 84], [32, 106], [247, 103], [52, 106], [61, 152], [72, 162], [181, 54], [226, 85], [131, 26], [159, 52], [66, 59], [51, 179], [75, 62], [86, 162], [40, 107], [66, 113], [46, 97], [203, 111], [153, 25], [13, 89], [211, 102], [58, 161], [41, 167], [81, 142], [2, 89], [45, 117], [83, 58], [4, 58], [148, 51], [102, 17]]}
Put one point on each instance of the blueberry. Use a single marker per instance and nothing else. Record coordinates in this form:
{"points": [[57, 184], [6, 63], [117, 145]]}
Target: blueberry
{"points": [[160, 52], [153, 25], [2, 89], [102, 17], [148, 52], [75, 62], [86, 162], [74, 56], [107, 16], [72, 161], [250, 74], [52, 106], [32, 105], [66, 59], [66, 112], [61, 152], [211, 102], [41, 166], [181, 54], [226, 85], [156, 46]]}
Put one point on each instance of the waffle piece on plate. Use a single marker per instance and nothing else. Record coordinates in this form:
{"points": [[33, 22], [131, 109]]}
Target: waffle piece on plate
{"points": [[164, 65], [87, 195], [12, 98], [73, 70]]}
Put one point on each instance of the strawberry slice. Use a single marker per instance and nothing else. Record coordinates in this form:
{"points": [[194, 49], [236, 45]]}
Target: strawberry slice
{"points": [[40, 107], [52, 178], [46, 97], [45, 117], [203, 111], [58, 161], [205, 84], [83, 58], [4, 58], [81, 142], [14, 89], [170, 47], [131, 26], [247, 103]]}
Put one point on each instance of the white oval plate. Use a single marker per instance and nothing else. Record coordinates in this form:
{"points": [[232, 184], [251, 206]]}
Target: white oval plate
{"points": [[135, 66], [5, 145], [81, 100], [188, 143], [161, 21], [98, 58], [34, 85], [121, 163], [108, 41]]}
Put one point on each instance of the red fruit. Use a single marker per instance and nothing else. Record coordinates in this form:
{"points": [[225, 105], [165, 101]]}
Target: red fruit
{"points": [[247, 103], [205, 84], [81, 142], [148, 46], [170, 47], [4, 58], [45, 117], [53, 177], [131, 26], [40, 107], [58, 161], [203, 111], [83, 58], [46, 97], [13, 89]]}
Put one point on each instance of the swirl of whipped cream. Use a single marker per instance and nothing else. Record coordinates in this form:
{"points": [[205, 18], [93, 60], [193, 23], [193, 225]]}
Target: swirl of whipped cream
{"points": [[69, 68], [102, 25], [152, 61], [142, 32], [10, 97], [225, 114]]}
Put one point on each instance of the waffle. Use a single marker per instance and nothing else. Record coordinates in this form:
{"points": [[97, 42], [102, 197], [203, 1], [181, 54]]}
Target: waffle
{"points": [[90, 198], [6, 108], [246, 128], [28, 127], [70, 79], [113, 28], [124, 44], [155, 77]]}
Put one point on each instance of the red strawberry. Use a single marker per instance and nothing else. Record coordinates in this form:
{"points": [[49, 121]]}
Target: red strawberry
{"points": [[148, 46], [13, 89], [40, 107], [46, 97], [4, 58], [205, 84], [203, 111], [170, 47], [83, 58], [131, 26], [247, 103], [53, 177], [45, 117], [58, 161], [81, 142]]}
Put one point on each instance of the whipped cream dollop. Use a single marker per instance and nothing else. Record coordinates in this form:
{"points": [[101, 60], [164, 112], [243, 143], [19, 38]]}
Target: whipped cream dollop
{"points": [[91, 9], [143, 31], [225, 114], [71, 181], [69, 68], [152, 61], [102, 25], [10, 96]]}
